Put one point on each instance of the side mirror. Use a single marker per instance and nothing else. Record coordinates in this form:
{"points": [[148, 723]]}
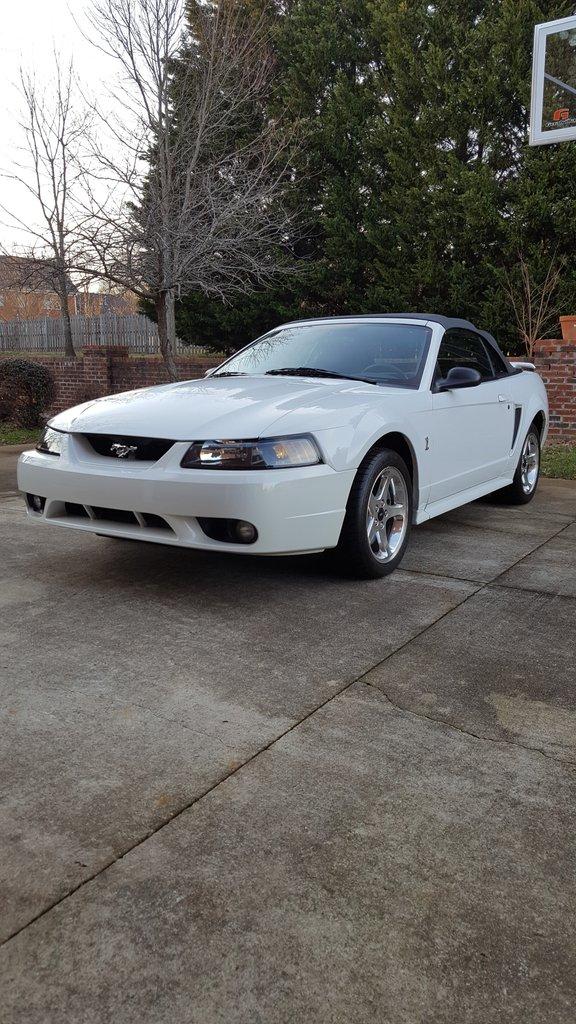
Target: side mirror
{"points": [[459, 377], [210, 371]]}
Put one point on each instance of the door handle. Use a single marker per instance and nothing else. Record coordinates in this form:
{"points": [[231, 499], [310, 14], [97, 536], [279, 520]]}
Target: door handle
{"points": [[502, 398]]}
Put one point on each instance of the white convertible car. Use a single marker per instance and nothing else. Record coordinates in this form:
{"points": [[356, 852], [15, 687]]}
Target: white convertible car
{"points": [[334, 433]]}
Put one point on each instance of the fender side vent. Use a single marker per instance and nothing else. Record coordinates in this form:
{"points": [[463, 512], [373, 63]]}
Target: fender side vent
{"points": [[517, 418]]}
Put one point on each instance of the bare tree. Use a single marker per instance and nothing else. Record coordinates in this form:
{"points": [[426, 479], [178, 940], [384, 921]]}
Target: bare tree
{"points": [[532, 298], [51, 172], [195, 172]]}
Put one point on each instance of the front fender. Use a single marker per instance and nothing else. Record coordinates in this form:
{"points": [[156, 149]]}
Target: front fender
{"points": [[345, 447]]}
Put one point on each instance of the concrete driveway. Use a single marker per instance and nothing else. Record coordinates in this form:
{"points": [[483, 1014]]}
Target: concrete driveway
{"points": [[245, 791]]}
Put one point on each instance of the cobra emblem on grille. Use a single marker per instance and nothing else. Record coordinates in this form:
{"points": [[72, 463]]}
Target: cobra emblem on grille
{"points": [[122, 451]]}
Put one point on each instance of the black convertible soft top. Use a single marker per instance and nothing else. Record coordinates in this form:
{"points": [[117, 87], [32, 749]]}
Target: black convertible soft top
{"points": [[447, 322]]}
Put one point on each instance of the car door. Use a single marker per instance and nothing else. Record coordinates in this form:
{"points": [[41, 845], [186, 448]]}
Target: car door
{"points": [[471, 427]]}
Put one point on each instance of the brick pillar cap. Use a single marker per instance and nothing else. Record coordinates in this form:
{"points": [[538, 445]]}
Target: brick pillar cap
{"points": [[568, 325], [121, 351], [117, 350], [95, 350]]}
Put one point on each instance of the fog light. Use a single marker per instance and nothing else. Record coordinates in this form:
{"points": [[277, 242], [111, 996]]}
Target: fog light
{"points": [[35, 502], [245, 532], [228, 531]]}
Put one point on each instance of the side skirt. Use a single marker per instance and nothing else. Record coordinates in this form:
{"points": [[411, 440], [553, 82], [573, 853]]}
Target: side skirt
{"points": [[437, 508]]}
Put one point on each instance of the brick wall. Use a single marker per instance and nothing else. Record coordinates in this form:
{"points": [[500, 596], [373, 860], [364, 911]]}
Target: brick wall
{"points": [[106, 371], [144, 372], [556, 363]]}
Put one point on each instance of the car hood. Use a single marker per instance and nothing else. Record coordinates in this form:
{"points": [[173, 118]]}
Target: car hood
{"points": [[225, 407]]}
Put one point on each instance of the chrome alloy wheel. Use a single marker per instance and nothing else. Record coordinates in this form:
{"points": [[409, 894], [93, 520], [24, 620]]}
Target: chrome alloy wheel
{"points": [[530, 463], [387, 514]]}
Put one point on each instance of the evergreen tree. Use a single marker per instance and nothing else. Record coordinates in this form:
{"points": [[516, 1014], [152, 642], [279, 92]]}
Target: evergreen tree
{"points": [[446, 149]]}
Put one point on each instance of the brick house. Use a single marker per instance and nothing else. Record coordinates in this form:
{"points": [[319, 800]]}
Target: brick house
{"points": [[27, 289], [99, 303], [27, 292]]}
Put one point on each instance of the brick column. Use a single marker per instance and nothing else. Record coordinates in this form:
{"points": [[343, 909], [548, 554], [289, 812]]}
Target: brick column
{"points": [[96, 370], [556, 363]]}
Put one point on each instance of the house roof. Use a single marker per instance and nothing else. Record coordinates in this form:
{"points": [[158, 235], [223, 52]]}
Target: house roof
{"points": [[25, 272]]}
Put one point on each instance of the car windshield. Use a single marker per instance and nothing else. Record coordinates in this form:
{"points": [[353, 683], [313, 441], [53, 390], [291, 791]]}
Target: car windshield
{"points": [[377, 352]]}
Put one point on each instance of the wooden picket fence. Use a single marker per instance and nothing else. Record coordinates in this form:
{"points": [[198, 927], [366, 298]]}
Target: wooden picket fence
{"points": [[46, 334]]}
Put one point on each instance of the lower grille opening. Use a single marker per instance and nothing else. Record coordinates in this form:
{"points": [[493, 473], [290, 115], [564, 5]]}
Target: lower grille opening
{"points": [[72, 509], [119, 516], [155, 522], [115, 515]]}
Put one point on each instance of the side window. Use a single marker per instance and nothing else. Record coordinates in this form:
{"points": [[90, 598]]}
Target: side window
{"points": [[463, 348], [500, 368]]}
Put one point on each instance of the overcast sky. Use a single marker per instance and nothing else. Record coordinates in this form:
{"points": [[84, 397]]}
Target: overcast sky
{"points": [[31, 29]]}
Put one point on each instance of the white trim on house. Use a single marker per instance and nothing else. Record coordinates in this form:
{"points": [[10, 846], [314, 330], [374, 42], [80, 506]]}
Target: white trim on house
{"points": [[538, 135]]}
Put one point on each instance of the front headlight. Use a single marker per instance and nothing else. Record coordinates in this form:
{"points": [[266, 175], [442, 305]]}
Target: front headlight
{"points": [[51, 441], [271, 453]]}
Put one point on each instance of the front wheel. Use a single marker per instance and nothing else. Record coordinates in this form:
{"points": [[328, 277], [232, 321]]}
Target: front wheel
{"points": [[523, 487], [378, 517]]}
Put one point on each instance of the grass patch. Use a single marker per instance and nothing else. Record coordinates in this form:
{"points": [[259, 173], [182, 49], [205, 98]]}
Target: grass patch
{"points": [[559, 460], [12, 434]]}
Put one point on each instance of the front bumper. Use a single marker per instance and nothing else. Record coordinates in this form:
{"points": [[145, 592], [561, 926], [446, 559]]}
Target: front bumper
{"points": [[294, 510]]}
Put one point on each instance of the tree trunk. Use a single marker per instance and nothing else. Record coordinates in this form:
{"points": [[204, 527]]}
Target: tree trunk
{"points": [[167, 330], [65, 314]]}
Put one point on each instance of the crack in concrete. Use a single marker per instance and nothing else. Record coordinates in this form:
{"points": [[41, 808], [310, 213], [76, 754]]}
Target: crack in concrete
{"points": [[532, 552], [497, 582], [454, 727]]}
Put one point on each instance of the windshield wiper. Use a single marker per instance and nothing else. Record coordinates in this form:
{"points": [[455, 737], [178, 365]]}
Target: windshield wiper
{"points": [[314, 371], [229, 373]]}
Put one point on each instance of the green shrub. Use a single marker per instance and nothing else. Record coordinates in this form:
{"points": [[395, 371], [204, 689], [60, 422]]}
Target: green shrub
{"points": [[26, 391]]}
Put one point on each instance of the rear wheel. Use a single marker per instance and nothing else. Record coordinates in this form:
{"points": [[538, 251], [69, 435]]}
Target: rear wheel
{"points": [[523, 487], [378, 517]]}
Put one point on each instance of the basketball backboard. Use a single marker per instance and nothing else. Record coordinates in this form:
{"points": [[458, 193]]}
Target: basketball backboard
{"points": [[553, 109]]}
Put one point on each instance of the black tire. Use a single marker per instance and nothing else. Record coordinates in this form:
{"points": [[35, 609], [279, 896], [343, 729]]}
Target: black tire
{"points": [[522, 489], [355, 555]]}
